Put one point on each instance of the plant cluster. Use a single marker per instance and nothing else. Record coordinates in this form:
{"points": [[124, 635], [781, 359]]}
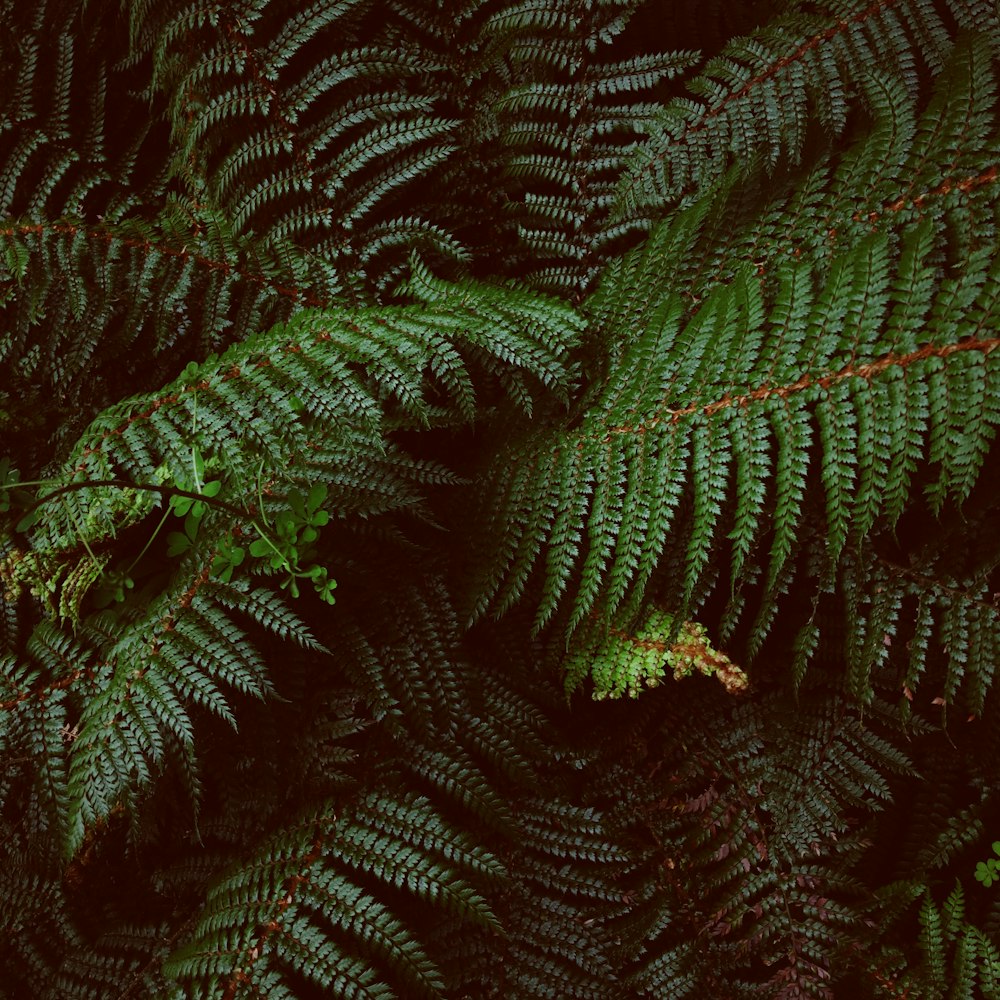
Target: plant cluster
{"points": [[499, 499]]}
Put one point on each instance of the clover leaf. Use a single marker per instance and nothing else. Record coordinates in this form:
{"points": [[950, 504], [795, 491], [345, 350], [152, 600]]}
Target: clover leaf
{"points": [[180, 542], [184, 505], [227, 558]]}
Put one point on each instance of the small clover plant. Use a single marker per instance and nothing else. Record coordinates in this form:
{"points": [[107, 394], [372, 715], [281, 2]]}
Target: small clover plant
{"points": [[289, 543], [988, 871], [285, 545], [183, 505], [179, 542]]}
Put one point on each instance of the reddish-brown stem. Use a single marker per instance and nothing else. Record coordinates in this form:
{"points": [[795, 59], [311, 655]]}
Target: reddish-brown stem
{"points": [[769, 73], [104, 235], [866, 371], [289, 887]]}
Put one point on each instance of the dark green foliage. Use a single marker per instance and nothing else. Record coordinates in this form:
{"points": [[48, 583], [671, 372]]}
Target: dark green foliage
{"points": [[764, 92], [826, 357], [766, 813], [380, 379]]}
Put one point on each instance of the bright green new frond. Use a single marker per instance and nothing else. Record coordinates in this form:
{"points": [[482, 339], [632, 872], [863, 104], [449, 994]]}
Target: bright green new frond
{"points": [[624, 663]]}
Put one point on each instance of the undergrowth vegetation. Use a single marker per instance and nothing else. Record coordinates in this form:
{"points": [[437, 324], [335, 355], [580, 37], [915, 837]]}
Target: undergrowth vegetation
{"points": [[499, 499]]}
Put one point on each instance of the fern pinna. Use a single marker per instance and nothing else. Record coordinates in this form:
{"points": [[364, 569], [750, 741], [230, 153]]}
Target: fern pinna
{"points": [[498, 498]]}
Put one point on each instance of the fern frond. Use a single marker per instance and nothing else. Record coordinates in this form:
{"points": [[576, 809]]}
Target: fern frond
{"points": [[760, 95], [566, 133], [182, 283], [313, 385], [76, 140], [736, 388], [756, 807], [298, 128], [620, 663], [630, 334], [957, 959], [318, 923], [557, 937]]}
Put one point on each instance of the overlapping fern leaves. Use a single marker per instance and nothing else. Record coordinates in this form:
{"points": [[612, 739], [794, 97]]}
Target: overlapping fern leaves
{"points": [[565, 124], [311, 398], [330, 379], [770, 807], [764, 93], [319, 150], [259, 337], [838, 340], [306, 882]]}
